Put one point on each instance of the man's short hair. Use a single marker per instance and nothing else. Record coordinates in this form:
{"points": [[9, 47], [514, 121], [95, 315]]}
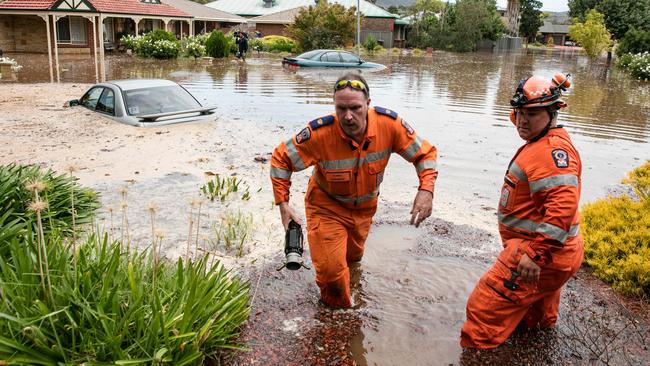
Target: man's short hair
{"points": [[355, 76]]}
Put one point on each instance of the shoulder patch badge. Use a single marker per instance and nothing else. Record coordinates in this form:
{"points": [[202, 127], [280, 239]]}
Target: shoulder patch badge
{"points": [[386, 112], [303, 135], [408, 127], [561, 158], [320, 122]]}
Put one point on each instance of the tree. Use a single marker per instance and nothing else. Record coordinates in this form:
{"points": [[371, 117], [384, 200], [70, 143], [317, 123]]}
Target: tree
{"points": [[621, 15], [393, 9], [592, 34], [531, 19], [578, 8], [324, 26], [425, 21], [476, 20]]}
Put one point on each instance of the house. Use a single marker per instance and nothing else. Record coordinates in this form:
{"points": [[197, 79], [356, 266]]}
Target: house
{"points": [[204, 19], [80, 26], [559, 33], [272, 16]]}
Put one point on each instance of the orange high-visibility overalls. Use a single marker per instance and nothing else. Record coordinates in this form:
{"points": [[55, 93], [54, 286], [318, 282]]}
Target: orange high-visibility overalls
{"points": [[342, 195], [538, 215]]}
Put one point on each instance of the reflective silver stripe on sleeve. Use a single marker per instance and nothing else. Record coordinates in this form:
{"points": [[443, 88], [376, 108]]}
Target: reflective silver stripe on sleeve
{"points": [[518, 172], [280, 173], [427, 164], [413, 148], [554, 181], [293, 155], [547, 229], [517, 223], [553, 232]]}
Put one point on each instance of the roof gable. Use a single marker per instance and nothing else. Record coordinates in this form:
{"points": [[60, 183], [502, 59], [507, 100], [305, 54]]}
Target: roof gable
{"points": [[72, 5]]}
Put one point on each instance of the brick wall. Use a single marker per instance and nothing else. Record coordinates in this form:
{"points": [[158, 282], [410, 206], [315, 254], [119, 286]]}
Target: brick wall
{"points": [[271, 29], [22, 33], [378, 24]]}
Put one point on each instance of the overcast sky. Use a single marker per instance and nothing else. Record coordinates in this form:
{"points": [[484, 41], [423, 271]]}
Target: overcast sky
{"points": [[549, 5]]}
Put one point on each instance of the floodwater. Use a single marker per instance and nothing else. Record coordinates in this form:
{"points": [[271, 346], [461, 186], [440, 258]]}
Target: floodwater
{"points": [[413, 282]]}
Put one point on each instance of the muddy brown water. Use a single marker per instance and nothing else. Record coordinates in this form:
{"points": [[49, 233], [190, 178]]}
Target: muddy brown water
{"points": [[414, 282]]}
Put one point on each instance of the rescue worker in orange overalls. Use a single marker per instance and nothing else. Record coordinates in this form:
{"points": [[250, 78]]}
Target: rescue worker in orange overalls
{"points": [[349, 151], [538, 222]]}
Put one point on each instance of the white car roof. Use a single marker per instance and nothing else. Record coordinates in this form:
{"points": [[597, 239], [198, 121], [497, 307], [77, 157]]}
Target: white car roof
{"points": [[131, 84]]}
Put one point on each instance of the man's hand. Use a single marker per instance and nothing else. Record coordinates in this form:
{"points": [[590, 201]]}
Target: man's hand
{"points": [[287, 214], [421, 207], [528, 269]]}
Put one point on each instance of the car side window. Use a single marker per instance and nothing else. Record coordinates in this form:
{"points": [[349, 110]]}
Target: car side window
{"points": [[106, 102], [349, 58], [90, 99], [331, 57]]}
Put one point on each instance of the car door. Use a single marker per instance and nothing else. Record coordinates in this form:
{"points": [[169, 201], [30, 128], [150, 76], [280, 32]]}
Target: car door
{"points": [[91, 98], [331, 59], [106, 102]]}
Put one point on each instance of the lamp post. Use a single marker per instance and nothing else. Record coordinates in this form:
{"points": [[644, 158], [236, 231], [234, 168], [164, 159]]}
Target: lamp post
{"points": [[359, 28]]}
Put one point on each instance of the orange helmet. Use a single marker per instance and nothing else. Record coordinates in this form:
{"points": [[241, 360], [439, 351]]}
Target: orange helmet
{"points": [[538, 91]]}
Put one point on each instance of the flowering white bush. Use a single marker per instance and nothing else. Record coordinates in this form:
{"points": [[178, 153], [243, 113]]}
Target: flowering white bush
{"points": [[637, 64], [194, 46], [157, 44], [14, 64]]}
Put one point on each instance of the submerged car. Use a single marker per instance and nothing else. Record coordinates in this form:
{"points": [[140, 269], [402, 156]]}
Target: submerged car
{"points": [[328, 58], [144, 102]]}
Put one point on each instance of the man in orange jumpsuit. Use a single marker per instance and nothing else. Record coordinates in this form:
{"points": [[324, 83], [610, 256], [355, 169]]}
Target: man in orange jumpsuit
{"points": [[349, 150], [538, 222]]}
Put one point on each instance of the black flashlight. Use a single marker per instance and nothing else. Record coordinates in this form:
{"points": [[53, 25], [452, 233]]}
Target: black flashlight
{"points": [[293, 247]]}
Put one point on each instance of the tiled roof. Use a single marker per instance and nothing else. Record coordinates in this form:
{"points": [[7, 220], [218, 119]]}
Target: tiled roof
{"points": [[202, 12], [259, 7], [136, 7], [549, 27], [104, 6], [26, 4], [281, 17]]}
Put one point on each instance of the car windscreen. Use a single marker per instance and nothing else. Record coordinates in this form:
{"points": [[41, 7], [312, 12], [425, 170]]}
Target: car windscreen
{"points": [[161, 99], [309, 55]]}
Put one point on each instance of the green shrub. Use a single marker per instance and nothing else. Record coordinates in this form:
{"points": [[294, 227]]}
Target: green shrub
{"points": [[273, 44], [158, 44], [280, 44], [106, 309], [91, 303], [194, 46], [130, 42], [59, 190], [635, 41], [637, 65], [217, 45], [617, 237], [370, 43]]}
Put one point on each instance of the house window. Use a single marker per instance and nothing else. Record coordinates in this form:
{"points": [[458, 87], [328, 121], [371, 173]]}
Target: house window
{"points": [[150, 1], [71, 30]]}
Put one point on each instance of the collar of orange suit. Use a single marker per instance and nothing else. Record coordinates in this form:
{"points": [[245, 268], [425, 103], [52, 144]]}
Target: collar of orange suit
{"points": [[371, 129]]}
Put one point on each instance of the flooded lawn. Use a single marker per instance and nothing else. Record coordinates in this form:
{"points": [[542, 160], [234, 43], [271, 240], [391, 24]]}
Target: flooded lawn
{"points": [[413, 283]]}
